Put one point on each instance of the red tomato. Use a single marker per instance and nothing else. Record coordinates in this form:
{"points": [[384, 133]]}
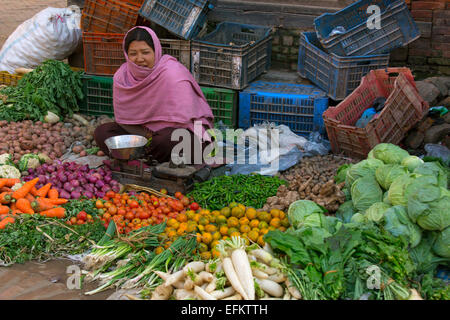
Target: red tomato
{"points": [[178, 195], [80, 222], [156, 204], [194, 206], [82, 215], [145, 215], [73, 220], [163, 191]]}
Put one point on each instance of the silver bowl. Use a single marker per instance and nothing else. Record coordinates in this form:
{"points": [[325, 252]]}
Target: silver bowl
{"points": [[126, 147]]}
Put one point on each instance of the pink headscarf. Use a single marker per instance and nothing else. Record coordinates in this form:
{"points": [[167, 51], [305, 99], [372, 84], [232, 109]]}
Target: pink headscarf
{"points": [[158, 97]]}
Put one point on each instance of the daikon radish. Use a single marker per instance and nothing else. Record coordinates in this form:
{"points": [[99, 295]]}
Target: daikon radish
{"points": [[259, 274], [203, 294], [182, 294], [175, 277], [221, 294], [271, 287], [242, 266], [277, 277], [189, 284], [162, 292], [295, 293], [195, 266], [211, 286], [206, 276], [262, 255], [235, 297]]}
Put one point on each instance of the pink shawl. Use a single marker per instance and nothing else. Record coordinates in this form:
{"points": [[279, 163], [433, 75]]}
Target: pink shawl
{"points": [[163, 96]]}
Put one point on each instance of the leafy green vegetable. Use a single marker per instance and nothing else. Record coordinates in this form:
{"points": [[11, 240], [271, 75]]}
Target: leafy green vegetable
{"points": [[376, 211], [365, 192], [341, 173], [29, 161], [346, 211], [305, 213], [396, 192], [411, 162], [388, 173], [396, 222], [388, 153], [433, 169], [442, 243], [361, 169]]}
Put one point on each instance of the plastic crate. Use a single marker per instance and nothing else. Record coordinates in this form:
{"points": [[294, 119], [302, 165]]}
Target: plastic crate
{"points": [[297, 106], [336, 75], [404, 107], [9, 79], [98, 96], [232, 55], [103, 53], [185, 18], [137, 3], [397, 28], [180, 49], [108, 16], [224, 105]]}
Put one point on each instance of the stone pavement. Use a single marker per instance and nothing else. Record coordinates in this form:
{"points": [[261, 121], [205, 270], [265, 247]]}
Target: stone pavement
{"points": [[14, 12]]}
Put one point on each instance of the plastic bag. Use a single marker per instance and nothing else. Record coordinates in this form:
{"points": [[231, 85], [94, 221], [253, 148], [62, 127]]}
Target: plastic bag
{"points": [[316, 145], [53, 33]]}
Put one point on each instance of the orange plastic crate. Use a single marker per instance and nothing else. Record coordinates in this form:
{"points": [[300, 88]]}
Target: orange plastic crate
{"points": [[137, 3], [108, 16], [404, 107], [103, 53]]}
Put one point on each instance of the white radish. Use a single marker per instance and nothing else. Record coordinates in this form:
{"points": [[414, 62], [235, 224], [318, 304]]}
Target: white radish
{"points": [[203, 294], [189, 284], [195, 266], [175, 277], [242, 266], [271, 287], [206, 276], [262, 255], [182, 294], [268, 248], [221, 294], [295, 293], [287, 295], [259, 274], [233, 277], [178, 284], [211, 286], [277, 277], [162, 275], [162, 292], [235, 297]]}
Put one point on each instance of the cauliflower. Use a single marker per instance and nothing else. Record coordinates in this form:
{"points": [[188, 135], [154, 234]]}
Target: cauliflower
{"points": [[7, 171], [5, 158], [29, 161]]}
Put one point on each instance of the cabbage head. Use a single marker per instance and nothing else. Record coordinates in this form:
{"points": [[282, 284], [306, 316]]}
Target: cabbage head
{"points": [[430, 211], [396, 192], [442, 244], [365, 192], [305, 213], [341, 173], [376, 211], [346, 211], [397, 222], [359, 218], [386, 198], [388, 153], [412, 162], [433, 169], [387, 173], [361, 169]]}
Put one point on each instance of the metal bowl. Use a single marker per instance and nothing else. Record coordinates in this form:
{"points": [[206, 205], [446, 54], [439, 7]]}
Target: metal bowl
{"points": [[126, 147]]}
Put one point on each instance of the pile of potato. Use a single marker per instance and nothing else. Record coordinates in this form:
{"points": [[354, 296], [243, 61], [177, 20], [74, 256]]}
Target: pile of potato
{"points": [[311, 179]]}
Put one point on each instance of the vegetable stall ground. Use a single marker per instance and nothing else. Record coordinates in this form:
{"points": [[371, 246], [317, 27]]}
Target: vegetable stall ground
{"points": [[311, 232]]}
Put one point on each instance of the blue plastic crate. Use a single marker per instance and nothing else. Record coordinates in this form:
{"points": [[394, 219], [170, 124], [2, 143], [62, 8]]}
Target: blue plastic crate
{"points": [[185, 18], [232, 55], [337, 76], [397, 28], [297, 106]]}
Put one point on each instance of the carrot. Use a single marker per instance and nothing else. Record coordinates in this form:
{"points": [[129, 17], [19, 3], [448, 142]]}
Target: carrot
{"points": [[5, 189], [24, 205], [42, 204], [33, 191], [6, 221], [58, 201], [5, 197], [16, 212], [3, 182], [4, 209], [42, 192], [11, 182], [22, 192], [30, 197], [13, 206], [53, 194], [58, 212]]}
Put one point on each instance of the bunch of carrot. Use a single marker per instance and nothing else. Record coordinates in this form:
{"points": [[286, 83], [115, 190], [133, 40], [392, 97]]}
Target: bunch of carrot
{"points": [[28, 200]]}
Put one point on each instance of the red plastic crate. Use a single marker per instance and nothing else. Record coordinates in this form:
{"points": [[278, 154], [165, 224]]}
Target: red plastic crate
{"points": [[108, 16], [404, 107], [103, 53], [137, 3]]}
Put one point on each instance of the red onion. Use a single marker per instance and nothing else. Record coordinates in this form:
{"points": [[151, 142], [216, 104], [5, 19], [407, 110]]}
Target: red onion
{"points": [[99, 184], [51, 168], [107, 179], [106, 188], [115, 188], [75, 194], [64, 194], [75, 183], [88, 194], [100, 194], [68, 187], [92, 179], [30, 171], [62, 177]]}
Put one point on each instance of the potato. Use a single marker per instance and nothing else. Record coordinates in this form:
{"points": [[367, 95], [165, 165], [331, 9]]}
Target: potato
{"points": [[83, 153], [100, 153], [77, 149]]}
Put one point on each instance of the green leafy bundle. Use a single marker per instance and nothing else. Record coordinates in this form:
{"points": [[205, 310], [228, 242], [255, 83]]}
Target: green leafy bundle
{"points": [[52, 86]]}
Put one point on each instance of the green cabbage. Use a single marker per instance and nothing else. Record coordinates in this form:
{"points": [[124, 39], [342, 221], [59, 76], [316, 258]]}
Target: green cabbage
{"points": [[305, 213], [433, 169], [396, 222], [361, 169], [365, 192], [376, 211], [429, 212], [386, 198], [389, 153], [341, 173], [442, 245], [412, 162], [387, 173], [358, 218], [346, 211], [396, 192]]}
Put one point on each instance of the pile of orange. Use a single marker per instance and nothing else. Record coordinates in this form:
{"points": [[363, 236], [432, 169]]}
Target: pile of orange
{"points": [[234, 220]]}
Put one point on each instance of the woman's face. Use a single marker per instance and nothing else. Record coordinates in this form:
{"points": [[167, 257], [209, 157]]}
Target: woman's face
{"points": [[140, 53]]}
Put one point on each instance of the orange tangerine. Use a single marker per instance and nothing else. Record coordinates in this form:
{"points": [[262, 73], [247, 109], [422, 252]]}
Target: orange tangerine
{"points": [[235, 234], [159, 250], [214, 243], [201, 228], [216, 235], [223, 230], [203, 221], [206, 255], [263, 225], [254, 223], [261, 241], [275, 222], [215, 253], [221, 219], [240, 205], [210, 228], [250, 213], [233, 222], [232, 230], [215, 213], [266, 217], [190, 214], [196, 217], [256, 230], [282, 229], [263, 231], [202, 247], [199, 237], [232, 205], [171, 222], [285, 222], [275, 213], [191, 227], [211, 218], [182, 217], [253, 235], [271, 228], [244, 220], [206, 237], [226, 211], [282, 215], [237, 212], [225, 237], [204, 212], [245, 228]]}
